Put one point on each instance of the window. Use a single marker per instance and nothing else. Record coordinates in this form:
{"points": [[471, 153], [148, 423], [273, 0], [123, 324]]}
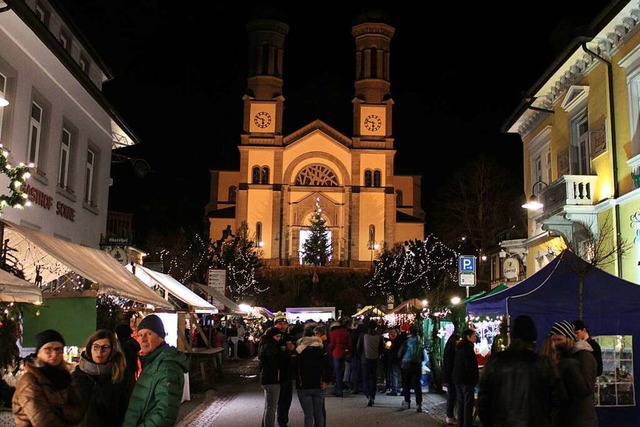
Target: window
{"points": [[35, 131], [399, 197], [317, 175], [232, 194], [64, 40], [89, 178], [580, 155], [377, 179], [372, 237], [3, 95], [259, 241], [540, 160], [255, 175], [42, 13], [264, 175], [368, 180], [63, 168], [615, 386], [84, 64]]}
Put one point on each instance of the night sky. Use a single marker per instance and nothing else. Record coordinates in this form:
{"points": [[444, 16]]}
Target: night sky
{"points": [[458, 71]]}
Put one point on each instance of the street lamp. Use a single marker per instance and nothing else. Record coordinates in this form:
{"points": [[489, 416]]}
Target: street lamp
{"points": [[3, 101], [534, 204], [373, 246]]}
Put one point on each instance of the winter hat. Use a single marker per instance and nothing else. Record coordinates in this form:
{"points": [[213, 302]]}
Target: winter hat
{"points": [[154, 323], [564, 328], [272, 332], [524, 328], [280, 317], [47, 336], [578, 325]]}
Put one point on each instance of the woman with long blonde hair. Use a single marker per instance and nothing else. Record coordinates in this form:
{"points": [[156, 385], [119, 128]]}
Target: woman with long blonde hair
{"points": [[100, 380]]}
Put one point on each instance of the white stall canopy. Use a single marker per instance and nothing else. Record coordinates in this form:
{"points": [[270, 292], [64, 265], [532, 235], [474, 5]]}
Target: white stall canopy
{"points": [[219, 299], [171, 286], [43, 259], [15, 289]]}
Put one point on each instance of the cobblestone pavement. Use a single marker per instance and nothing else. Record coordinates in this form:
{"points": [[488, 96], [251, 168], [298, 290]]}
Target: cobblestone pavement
{"points": [[204, 408]]}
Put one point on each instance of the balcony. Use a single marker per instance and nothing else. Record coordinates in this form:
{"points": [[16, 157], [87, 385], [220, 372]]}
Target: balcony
{"points": [[574, 190]]}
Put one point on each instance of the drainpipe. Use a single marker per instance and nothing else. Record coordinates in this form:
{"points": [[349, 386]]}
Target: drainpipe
{"points": [[614, 151]]}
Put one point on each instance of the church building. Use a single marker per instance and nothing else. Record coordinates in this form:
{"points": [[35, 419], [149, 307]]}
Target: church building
{"points": [[282, 177]]}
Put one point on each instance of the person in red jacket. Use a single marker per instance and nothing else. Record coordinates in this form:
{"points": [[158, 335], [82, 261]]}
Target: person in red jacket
{"points": [[339, 344]]}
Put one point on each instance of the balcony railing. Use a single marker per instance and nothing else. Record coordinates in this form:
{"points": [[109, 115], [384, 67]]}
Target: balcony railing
{"points": [[569, 190]]}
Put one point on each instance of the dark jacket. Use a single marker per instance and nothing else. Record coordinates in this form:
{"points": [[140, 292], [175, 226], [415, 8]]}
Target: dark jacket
{"points": [[312, 366], [270, 356], [465, 367], [44, 398], [578, 373], [130, 348], [105, 403], [405, 351], [448, 360], [597, 353], [157, 394], [286, 368], [519, 388]]}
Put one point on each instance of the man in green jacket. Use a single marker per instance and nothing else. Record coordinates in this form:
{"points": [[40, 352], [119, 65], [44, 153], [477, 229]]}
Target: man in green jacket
{"points": [[157, 395]]}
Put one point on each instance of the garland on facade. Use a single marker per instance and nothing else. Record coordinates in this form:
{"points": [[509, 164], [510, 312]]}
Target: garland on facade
{"points": [[17, 175]]}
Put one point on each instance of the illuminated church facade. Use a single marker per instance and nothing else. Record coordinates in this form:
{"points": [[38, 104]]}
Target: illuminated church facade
{"points": [[281, 177]]}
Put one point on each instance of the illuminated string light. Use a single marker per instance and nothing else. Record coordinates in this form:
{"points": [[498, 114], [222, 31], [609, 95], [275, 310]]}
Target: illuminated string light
{"points": [[17, 177]]}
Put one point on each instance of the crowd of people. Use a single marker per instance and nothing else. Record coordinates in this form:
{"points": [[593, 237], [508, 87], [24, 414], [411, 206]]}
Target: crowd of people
{"points": [[352, 357], [118, 381], [517, 386]]}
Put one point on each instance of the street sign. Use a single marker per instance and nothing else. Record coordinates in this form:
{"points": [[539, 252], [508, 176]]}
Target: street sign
{"points": [[467, 271], [467, 264]]}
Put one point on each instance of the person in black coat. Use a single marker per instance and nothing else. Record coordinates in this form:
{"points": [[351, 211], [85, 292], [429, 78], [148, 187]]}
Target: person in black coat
{"points": [[448, 360], [517, 386], [270, 356], [130, 347], [465, 376], [102, 382]]}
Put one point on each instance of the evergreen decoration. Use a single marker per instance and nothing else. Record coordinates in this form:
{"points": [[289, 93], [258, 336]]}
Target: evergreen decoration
{"points": [[413, 269], [242, 259], [16, 198], [9, 351], [316, 249]]}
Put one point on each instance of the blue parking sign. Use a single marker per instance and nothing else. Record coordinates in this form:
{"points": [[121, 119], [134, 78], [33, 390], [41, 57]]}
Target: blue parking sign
{"points": [[467, 264]]}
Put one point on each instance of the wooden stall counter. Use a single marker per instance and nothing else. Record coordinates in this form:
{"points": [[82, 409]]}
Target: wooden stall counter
{"points": [[205, 367]]}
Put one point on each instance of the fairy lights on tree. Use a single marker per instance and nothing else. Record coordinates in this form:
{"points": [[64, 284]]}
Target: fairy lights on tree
{"points": [[17, 175], [414, 269], [241, 258], [316, 249]]}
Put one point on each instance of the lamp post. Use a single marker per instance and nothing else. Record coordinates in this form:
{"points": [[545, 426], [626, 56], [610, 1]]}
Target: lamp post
{"points": [[533, 204]]}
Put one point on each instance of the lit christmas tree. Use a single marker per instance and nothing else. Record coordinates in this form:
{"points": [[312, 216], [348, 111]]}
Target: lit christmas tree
{"points": [[317, 249]]}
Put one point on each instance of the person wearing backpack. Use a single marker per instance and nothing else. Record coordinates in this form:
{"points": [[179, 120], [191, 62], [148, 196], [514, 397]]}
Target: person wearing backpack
{"points": [[411, 355]]}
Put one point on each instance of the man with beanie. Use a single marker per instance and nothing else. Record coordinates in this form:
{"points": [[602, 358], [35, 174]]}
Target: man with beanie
{"points": [[582, 333], [517, 386], [157, 395], [578, 370], [286, 370]]}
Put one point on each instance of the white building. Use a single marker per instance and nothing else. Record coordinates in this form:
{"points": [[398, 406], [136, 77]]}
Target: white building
{"points": [[58, 119]]}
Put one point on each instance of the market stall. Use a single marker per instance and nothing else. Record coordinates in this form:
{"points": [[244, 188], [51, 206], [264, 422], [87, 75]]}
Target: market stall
{"points": [[16, 290]]}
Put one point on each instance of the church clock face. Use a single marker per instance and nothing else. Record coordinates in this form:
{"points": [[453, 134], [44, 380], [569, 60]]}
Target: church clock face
{"points": [[262, 119], [372, 122]]}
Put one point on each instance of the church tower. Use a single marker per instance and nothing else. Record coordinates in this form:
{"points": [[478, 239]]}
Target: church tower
{"points": [[372, 104], [263, 100]]}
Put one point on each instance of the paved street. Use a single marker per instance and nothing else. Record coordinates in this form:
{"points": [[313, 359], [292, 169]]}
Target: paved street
{"points": [[238, 400]]}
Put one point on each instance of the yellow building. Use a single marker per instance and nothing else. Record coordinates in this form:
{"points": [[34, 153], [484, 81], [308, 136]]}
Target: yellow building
{"points": [[366, 206], [580, 131]]}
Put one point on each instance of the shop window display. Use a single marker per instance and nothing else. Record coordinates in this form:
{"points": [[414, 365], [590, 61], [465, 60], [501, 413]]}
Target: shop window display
{"points": [[615, 386]]}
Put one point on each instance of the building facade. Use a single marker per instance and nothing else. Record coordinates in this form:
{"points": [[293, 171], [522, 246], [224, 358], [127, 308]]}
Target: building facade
{"points": [[58, 120], [281, 177], [580, 130]]}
